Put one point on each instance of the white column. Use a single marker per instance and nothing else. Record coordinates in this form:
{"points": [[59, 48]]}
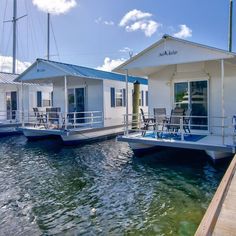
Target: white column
{"points": [[126, 100], [222, 101], [22, 105], [66, 100]]}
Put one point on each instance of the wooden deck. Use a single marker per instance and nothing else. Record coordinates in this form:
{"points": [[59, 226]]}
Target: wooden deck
{"points": [[220, 217]]}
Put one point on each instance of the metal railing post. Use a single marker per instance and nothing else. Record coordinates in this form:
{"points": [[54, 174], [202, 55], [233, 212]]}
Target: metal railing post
{"points": [[127, 125], [91, 119], [182, 128]]}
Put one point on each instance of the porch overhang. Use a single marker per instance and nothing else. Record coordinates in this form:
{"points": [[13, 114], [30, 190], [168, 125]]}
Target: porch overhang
{"points": [[171, 51]]}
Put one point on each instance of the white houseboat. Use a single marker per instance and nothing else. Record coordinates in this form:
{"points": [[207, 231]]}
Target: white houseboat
{"points": [[194, 86], [87, 103], [11, 100]]}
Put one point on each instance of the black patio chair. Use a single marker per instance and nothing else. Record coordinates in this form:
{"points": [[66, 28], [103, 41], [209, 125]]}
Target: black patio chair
{"points": [[41, 118], [147, 122]]}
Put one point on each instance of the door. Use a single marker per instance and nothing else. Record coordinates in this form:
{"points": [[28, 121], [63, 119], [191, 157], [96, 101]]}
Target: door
{"points": [[79, 104], [11, 105], [193, 95]]}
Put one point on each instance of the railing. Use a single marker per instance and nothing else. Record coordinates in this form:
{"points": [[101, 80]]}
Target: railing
{"points": [[62, 120], [181, 125], [9, 117]]}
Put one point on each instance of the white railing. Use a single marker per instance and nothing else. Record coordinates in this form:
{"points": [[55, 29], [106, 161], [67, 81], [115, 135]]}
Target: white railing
{"points": [[62, 120], [9, 117], [181, 125]]}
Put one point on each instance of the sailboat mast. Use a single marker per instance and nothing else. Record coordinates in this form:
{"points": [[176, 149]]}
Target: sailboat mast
{"points": [[14, 20], [230, 24], [48, 36]]}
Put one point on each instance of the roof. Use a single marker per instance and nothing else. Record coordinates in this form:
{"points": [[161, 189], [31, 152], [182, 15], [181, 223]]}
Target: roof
{"points": [[166, 36], [8, 78], [85, 72]]}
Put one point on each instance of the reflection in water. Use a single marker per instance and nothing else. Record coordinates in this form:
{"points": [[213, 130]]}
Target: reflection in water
{"points": [[101, 189]]}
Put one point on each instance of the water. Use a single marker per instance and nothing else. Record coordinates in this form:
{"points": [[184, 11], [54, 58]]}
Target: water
{"points": [[101, 189]]}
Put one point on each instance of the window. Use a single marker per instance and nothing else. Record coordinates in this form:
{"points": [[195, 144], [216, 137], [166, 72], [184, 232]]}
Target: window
{"points": [[119, 98], [39, 99], [146, 98]]}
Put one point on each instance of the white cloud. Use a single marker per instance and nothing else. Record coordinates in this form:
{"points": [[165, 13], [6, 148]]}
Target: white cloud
{"points": [[110, 64], [185, 32], [108, 22], [148, 27], [99, 20], [55, 6], [134, 15], [137, 20], [6, 65]]}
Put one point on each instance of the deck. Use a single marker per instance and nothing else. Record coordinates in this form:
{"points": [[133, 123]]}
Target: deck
{"points": [[195, 141], [219, 219]]}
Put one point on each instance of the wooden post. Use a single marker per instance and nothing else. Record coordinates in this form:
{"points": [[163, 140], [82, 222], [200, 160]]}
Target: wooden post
{"points": [[136, 96]]}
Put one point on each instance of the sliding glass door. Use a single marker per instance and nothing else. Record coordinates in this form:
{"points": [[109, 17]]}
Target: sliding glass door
{"points": [[76, 103], [11, 105], [193, 95]]}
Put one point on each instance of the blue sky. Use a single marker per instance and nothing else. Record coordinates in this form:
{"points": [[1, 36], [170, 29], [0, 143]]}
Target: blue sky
{"points": [[91, 31]]}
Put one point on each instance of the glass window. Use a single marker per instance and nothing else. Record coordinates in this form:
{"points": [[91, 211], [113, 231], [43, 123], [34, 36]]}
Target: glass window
{"points": [[71, 100], [119, 97], [193, 95], [181, 95]]}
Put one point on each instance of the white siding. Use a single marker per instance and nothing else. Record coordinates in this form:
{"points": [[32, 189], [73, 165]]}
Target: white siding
{"points": [[93, 88], [115, 115]]}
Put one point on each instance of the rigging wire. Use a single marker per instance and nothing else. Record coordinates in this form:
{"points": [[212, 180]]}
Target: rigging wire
{"points": [[55, 41]]}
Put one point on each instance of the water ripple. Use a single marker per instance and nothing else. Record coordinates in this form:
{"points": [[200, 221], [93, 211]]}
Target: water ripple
{"points": [[101, 189]]}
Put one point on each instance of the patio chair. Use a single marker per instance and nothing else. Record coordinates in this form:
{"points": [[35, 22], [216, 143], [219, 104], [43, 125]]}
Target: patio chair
{"points": [[53, 114], [186, 121], [160, 117], [174, 122], [147, 122], [41, 118]]}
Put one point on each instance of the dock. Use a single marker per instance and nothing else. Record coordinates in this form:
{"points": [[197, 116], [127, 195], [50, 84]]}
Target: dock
{"points": [[219, 219]]}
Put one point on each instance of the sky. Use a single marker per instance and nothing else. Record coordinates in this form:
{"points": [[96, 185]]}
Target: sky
{"points": [[103, 33]]}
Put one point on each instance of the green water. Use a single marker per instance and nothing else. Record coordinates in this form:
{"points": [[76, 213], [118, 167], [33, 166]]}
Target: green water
{"points": [[101, 189]]}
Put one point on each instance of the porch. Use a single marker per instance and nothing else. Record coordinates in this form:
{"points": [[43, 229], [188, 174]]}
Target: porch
{"points": [[199, 137]]}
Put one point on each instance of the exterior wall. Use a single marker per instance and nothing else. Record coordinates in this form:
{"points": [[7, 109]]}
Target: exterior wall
{"points": [[93, 94], [29, 97], [161, 87], [115, 115]]}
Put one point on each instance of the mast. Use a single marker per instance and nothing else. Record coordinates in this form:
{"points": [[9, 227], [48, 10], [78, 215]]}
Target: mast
{"points": [[14, 20], [48, 36], [230, 24]]}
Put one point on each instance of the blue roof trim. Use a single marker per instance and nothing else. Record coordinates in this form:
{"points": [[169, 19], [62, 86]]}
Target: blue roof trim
{"points": [[94, 73]]}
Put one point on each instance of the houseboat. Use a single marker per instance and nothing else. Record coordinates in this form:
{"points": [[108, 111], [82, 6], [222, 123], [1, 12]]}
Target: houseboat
{"points": [[88, 104], [194, 86], [14, 95]]}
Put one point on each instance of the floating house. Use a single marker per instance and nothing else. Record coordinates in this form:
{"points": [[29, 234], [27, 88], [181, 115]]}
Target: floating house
{"points": [[15, 96], [87, 103], [194, 86]]}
